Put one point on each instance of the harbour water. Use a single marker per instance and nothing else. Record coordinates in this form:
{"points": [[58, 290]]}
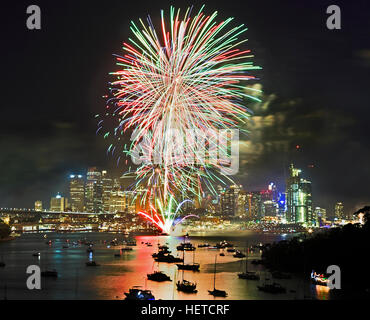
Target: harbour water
{"points": [[116, 275]]}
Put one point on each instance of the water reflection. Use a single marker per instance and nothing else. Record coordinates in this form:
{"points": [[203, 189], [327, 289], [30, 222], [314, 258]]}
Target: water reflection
{"points": [[116, 274]]}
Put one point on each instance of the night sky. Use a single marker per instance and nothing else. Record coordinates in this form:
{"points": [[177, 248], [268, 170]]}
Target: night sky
{"points": [[315, 82]]}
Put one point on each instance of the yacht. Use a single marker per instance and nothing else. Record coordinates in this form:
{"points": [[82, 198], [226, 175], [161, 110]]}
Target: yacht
{"points": [[238, 254], [158, 276], [137, 293], [169, 258], [248, 275], [216, 292], [186, 286]]}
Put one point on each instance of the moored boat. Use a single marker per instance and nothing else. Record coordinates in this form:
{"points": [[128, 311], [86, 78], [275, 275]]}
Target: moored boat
{"points": [[137, 293], [158, 276], [186, 286]]}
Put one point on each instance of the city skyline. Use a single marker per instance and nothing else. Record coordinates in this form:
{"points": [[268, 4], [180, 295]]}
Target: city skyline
{"points": [[92, 192], [300, 106]]}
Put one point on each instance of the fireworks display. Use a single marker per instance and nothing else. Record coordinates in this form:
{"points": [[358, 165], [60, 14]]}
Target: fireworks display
{"points": [[175, 91]]}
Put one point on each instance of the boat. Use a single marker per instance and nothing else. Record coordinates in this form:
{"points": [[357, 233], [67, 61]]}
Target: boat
{"points": [[163, 247], [281, 275], [239, 254], [215, 292], [222, 254], [224, 244], [203, 245], [126, 249], [92, 264], [193, 266], [169, 258], [272, 288], [231, 250], [49, 273], [218, 293], [185, 247], [114, 242], [158, 276], [137, 293], [248, 275], [186, 286]]}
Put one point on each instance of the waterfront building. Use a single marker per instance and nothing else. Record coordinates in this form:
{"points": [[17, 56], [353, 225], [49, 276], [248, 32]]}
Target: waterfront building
{"points": [[229, 201], [58, 203], [299, 198], [242, 203], [320, 214], [254, 205], [107, 188], [339, 211], [77, 192], [94, 191], [118, 202], [38, 205], [282, 206], [270, 208]]}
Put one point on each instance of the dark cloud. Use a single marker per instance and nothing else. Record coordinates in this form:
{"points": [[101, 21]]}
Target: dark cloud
{"points": [[315, 83]]}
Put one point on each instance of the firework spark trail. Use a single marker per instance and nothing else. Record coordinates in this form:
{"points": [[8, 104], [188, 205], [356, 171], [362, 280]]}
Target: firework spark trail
{"points": [[189, 77]]}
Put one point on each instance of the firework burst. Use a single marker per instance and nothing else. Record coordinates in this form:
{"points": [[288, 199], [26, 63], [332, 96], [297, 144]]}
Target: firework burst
{"points": [[189, 77]]}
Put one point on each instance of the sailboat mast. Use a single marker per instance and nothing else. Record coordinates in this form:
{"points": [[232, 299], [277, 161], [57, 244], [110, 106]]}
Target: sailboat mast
{"points": [[246, 259], [214, 276]]}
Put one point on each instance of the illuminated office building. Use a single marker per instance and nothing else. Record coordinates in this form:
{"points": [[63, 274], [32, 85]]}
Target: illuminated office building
{"points": [[339, 211], [254, 205], [107, 188], [58, 203], [94, 191], [299, 198], [229, 201], [320, 214], [76, 192], [38, 205]]}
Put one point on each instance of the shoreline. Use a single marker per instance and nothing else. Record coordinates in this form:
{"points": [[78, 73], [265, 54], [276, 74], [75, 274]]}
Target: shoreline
{"points": [[9, 238]]}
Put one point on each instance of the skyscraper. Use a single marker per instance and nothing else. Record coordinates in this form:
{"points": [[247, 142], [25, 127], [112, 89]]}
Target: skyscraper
{"points": [[77, 192], [299, 198], [38, 205], [229, 201], [254, 205], [320, 214], [339, 211], [58, 203], [107, 188], [94, 191]]}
